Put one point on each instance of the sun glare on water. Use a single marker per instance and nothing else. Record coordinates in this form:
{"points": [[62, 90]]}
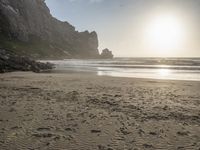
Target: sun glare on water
{"points": [[163, 72], [165, 34]]}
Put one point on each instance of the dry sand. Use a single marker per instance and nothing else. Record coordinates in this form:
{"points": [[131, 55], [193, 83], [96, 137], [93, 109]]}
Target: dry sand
{"points": [[87, 112]]}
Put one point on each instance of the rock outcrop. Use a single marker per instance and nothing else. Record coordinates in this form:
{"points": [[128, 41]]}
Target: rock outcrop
{"points": [[28, 28], [106, 54], [9, 61]]}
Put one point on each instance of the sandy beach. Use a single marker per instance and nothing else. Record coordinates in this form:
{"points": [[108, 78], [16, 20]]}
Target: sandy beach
{"points": [[88, 112]]}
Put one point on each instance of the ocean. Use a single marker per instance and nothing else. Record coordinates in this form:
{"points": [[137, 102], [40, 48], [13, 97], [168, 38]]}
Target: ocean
{"points": [[153, 68]]}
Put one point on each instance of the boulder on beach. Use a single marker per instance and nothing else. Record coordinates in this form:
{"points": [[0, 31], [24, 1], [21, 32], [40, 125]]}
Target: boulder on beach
{"points": [[9, 61]]}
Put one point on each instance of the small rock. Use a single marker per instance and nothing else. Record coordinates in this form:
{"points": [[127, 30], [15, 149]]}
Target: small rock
{"points": [[95, 131], [148, 145], [182, 133]]}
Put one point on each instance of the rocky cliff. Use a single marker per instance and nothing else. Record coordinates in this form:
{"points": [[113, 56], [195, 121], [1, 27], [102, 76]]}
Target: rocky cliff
{"points": [[28, 28]]}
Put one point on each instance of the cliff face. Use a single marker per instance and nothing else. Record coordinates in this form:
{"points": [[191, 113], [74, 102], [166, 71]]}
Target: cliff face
{"points": [[27, 27]]}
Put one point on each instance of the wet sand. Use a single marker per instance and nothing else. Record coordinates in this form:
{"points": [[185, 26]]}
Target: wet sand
{"points": [[87, 112]]}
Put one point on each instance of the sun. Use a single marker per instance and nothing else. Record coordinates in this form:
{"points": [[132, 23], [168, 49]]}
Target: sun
{"points": [[165, 34]]}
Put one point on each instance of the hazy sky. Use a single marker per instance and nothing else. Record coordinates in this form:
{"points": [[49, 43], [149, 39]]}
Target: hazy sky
{"points": [[126, 26]]}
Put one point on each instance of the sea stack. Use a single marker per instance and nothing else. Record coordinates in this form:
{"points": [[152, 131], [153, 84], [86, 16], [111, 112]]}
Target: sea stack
{"points": [[106, 54]]}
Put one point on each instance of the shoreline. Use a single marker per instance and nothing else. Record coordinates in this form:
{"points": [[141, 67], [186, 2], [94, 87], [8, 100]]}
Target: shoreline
{"points": [[170, 69], [84, 111], [94, 73]]}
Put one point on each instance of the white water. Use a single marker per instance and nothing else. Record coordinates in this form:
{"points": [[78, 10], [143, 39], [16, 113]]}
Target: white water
{"points": [[154, 68]]}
